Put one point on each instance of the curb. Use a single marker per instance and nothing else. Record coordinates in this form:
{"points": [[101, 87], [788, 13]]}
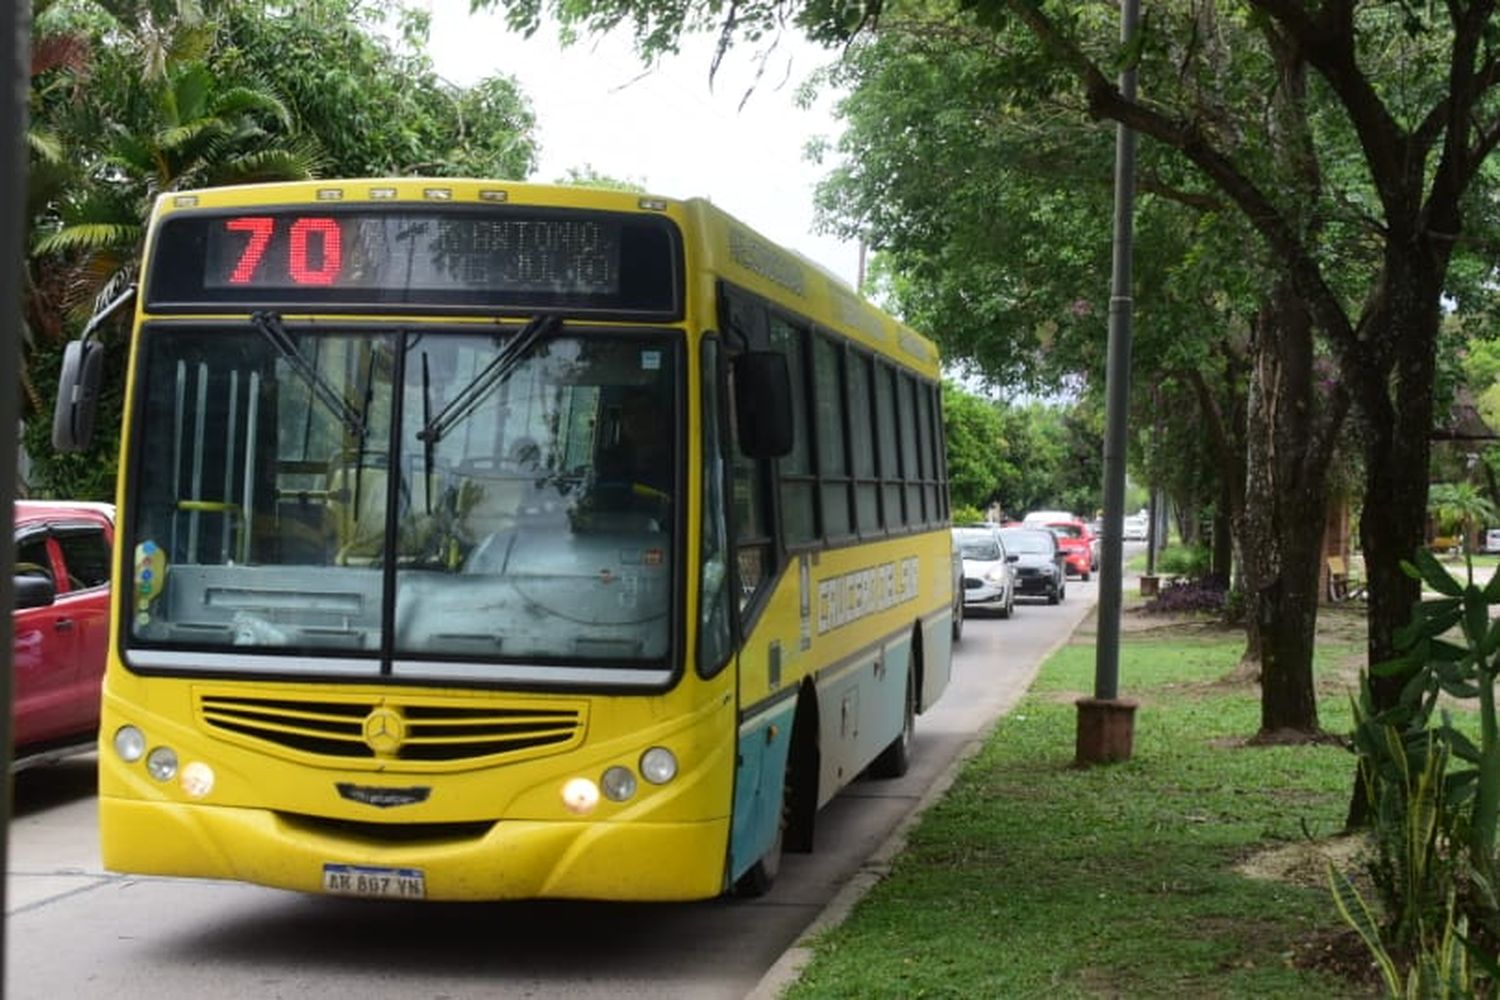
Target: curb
{"points": [[788, 968]]}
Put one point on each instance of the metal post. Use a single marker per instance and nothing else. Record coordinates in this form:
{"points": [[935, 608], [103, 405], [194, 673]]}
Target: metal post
{"points": [[1153, 531], [15, 28], [1104, 721]]}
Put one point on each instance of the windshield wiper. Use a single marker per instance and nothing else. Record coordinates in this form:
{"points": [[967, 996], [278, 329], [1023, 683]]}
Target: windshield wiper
{"points": [[269, 325], [473, 394]]}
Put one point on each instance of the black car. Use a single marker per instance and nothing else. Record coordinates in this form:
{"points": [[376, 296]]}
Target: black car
{"points": [[1038, 562]]}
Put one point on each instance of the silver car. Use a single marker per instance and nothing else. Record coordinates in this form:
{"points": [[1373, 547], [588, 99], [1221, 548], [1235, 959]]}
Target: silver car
{"points": [[989, 579]]}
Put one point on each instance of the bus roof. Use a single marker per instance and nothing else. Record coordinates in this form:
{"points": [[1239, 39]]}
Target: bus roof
{"points": [[738, 252], [724, 245]]}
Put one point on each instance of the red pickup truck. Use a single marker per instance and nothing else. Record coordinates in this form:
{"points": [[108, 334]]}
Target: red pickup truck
{"points": [[1080, 547], [60, 625]]}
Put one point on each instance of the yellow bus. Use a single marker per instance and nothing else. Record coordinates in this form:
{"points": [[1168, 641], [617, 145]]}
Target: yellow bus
{"points": [[483, 540]]}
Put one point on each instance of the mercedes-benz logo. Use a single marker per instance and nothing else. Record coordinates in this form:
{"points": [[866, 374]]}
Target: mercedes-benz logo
{"points": [[385, 731]]}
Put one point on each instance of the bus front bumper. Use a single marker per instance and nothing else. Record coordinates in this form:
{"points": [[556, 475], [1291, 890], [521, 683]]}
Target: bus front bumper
{"points": [[513, 859]]}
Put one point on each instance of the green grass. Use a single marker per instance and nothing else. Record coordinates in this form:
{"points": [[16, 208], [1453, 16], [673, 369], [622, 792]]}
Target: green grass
{"points": [[1033, 878]]}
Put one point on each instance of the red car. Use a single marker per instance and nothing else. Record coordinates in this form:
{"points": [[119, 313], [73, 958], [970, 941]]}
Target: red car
{"points": [[60, 625], [1080, 547]]}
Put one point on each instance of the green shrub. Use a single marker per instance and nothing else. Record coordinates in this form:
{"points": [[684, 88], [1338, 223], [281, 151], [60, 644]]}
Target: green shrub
{"points": [[1434, 793], [965, 514], [1184, 560]]}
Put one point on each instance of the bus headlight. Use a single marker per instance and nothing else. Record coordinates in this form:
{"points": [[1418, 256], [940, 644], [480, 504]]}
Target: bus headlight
{"points": [[161, 763], [618, 783], [658, 765], [130, 744], [580, 796]]}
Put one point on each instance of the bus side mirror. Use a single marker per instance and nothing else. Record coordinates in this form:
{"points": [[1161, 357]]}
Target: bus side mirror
{"points": [[77, 395], [763, 404]]}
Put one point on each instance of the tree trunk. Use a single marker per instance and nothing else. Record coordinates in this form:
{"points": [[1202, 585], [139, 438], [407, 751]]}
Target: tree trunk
{"points": [[1288, 617], [1398, 448], [1289, 434], [1222, 563], [1397, 408]]}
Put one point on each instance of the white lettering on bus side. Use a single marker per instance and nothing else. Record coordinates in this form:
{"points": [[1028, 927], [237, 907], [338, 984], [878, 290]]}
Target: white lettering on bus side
{"points": [[863, 592]]}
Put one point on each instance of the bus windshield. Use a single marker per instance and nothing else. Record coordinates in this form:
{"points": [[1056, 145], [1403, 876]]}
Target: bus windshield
{"points": [[447, 503]]}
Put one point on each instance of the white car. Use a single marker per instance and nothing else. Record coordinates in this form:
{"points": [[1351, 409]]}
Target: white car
{"points": [[1135, 528], [989, 578]]}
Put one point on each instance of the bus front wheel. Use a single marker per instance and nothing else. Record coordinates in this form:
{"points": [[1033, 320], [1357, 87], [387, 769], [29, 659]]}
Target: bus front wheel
{"points": [[761, 875]]}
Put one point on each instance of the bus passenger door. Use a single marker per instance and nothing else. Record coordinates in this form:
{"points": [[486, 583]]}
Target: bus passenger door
{"points": [[738, 573]]}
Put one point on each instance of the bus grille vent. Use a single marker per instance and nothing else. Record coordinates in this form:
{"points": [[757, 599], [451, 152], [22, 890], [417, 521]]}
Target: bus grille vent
{"points": [[387, 729]]}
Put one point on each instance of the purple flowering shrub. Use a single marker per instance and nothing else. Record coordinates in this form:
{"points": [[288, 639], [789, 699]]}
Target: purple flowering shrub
{"points": [[1192, 595]]}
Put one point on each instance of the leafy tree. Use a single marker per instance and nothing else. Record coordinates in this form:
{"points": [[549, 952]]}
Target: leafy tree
{"points": [[1076, 434], [380, 108], [976, 447], [1460, 508], [1409, 90], [1411, 93], [158, 117], [1017, 286], [131, 98], [587, 176], [132, 111]]}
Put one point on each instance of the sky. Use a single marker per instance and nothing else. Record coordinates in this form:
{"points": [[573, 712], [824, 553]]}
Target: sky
{"points": [[597, 106]]}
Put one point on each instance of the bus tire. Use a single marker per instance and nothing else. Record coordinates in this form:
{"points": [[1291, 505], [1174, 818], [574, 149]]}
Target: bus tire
{"points": [[761, 875], [803, 768], [895, 760]]}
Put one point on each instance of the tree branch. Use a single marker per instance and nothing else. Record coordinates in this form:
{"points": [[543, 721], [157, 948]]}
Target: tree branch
{"points": [[1200, 201], [1106, 101], [1328, 44]]}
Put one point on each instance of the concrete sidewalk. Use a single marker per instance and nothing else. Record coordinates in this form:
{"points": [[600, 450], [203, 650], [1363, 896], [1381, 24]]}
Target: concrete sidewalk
{"points": [[789, 966]]}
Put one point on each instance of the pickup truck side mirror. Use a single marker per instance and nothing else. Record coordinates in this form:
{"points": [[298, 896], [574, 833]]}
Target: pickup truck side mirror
{"points": [[34, 591]]}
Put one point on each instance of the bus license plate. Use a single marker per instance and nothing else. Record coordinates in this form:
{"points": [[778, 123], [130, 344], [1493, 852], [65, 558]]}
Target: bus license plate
{"points": [[383, 883]]}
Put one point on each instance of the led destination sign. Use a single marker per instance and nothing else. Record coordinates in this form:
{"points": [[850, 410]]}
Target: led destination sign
{"points": [[510, 257]]}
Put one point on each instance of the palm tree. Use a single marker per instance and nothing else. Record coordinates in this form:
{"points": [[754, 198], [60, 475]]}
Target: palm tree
{"points": [[127, 103], [199, 130], [1462, 507]]}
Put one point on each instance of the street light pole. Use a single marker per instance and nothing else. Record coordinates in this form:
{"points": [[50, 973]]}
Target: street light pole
{"points": [[1106, 722], [15, 29]]}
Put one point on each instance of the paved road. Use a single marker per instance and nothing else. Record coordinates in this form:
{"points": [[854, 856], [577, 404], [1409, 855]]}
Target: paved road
{"points": [[76, 932]]}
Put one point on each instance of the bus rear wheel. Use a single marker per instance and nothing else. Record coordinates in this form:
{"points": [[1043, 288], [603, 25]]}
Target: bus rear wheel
{"points": [[895, 759]]}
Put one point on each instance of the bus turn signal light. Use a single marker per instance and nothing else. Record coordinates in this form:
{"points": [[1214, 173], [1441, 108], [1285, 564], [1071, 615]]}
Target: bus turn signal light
{"points": [[580, 796]]}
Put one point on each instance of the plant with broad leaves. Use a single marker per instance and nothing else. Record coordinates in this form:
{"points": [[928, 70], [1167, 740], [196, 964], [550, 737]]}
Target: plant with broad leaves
{"points": [[1434, 790]]}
